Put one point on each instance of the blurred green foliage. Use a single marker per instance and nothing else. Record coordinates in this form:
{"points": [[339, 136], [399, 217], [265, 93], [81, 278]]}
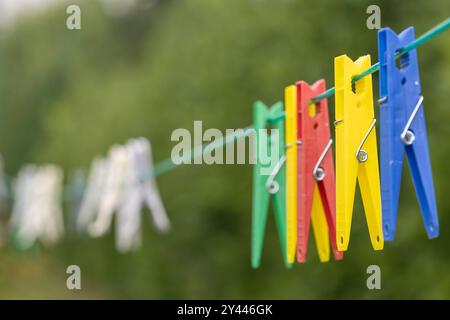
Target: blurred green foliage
{"points": [[66, 96]]}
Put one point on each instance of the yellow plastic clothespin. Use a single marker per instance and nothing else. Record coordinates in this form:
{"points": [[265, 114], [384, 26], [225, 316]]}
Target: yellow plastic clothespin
{"points": [[290, 101], [356, 150], [320, 227]]}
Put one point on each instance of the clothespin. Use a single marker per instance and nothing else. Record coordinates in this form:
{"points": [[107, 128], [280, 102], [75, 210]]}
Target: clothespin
{"points": [[92, 193], [139, 188], [403, 130], [49, 205], [356, 151], [37, 213], [151, 195], [267, 180], [290, 101], [316, 182], [112, 191], [128, 223], [22, 231]]}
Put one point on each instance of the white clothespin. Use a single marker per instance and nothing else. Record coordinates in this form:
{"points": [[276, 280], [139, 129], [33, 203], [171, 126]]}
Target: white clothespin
{"points": [[21, 223], [140, 188], [112, 192], [151, 193], [37, 213], [128, 223], [51, 225], [92, 194]]}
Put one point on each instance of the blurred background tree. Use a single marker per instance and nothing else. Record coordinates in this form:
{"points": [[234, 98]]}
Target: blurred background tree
{"points": [[66, 96]]}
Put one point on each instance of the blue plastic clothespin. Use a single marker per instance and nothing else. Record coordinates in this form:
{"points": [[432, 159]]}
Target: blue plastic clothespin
{"points": [[403, 129]]}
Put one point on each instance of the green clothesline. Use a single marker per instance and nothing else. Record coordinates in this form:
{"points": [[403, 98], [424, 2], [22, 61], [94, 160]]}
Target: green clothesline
{"points": [[167, 165], [197, 152], [414, 44]]}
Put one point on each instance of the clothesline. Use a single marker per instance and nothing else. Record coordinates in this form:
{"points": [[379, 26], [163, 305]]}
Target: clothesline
{"points": [[122, 183], [430, 34], [168, 165]]}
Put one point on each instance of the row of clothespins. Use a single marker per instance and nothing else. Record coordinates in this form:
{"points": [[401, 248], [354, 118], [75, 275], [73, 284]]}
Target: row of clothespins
{"points": [[306, 188], [121, 184]]}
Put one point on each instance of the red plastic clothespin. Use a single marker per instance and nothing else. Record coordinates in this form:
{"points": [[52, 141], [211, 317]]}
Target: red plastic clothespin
{"points": [[315, 170]]}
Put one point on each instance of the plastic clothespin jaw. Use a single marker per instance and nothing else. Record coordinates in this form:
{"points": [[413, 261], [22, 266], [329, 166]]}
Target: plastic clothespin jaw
{"points": [[262, 170], [290, 97], [356, 151], [316, 179], [403, 130]]}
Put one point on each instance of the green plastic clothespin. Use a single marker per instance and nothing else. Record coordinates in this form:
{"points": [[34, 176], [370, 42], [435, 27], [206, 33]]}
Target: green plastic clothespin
{"points": [[261, 194]]}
